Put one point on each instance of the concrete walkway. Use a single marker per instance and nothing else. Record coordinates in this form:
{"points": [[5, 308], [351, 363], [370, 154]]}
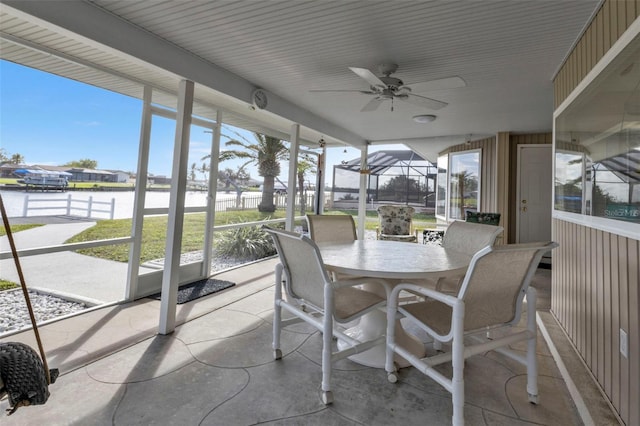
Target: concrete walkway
{"points": [[68, 274]]}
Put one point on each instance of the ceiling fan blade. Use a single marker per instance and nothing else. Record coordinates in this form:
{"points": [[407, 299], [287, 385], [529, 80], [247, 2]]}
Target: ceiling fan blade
{"points": [[423, 102], [366, 92], [368, 76], [372, 105], [442, 83]]}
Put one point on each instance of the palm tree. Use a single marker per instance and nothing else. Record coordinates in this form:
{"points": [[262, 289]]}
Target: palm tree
{"points": [[266, 152], [192, 173], [17, 159], [306, 164]]}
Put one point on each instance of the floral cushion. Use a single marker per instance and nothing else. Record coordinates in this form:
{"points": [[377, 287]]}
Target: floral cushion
{"points": [[485, 218], [432, 236], [395, 223]]}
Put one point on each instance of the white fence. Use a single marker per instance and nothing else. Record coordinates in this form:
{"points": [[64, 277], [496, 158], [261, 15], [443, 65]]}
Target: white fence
{"points": [[251, 202], [69, 206], [102, 209]]}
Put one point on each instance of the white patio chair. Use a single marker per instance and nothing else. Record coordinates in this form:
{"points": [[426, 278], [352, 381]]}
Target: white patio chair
{"points": [[314, 298], [491, 297], [468, 238], [332, 228]]}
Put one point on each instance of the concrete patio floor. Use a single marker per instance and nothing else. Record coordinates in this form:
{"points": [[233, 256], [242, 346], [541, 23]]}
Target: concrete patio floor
{"points": [[217, 368]]}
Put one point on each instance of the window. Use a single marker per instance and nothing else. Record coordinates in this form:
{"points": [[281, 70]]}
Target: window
{"points": [[458, 184], [597, 144], [569, 181], [464, 180], [441, 193]]}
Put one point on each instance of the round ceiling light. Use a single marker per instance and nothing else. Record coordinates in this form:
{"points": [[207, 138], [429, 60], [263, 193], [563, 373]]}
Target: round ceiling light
{"points": [[428, 118]]}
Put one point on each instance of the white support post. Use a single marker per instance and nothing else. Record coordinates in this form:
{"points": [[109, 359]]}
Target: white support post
{"points": [[90, 206], [25, 208], [211, 195], [293, 168], [171, 274], [135, 247], [69, 205], [362, 200], [320, 179], [113, 208]]}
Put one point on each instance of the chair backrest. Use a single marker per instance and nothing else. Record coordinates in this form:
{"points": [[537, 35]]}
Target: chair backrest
{"points": [[303, 266], [481, 217], [467, 237], [395, 220], [496, 282], [332, 228]]}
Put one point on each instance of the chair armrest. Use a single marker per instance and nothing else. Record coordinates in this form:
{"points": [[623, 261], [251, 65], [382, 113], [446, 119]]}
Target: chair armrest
{"points": [[433, 294], [355, 281]]}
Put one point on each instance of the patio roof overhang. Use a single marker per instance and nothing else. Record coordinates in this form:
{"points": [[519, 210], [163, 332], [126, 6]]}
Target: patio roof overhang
{"points": [[506, 51]]}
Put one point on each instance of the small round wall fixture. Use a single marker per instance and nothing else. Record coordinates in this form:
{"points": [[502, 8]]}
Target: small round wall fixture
{"points": [[426, 118], [259, 99]]}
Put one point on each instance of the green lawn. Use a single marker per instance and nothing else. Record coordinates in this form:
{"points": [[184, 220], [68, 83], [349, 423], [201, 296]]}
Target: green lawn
{"points": [[18, 228], [154, 231], [6, 285], [420, 220], [154, 234]]}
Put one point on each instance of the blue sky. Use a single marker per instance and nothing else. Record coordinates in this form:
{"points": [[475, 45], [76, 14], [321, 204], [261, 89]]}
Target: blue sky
{"points": [[52, 120]]}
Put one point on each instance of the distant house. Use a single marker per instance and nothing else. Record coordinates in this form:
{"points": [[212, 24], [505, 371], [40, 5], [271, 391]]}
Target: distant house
{"points": [[120, 176], [159, 179], [7, 170], [91, 175]]}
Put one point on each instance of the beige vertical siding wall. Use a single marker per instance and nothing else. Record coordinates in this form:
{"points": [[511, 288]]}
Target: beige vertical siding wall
{"points": [[595, 273], [594, 295], [610, 22]]}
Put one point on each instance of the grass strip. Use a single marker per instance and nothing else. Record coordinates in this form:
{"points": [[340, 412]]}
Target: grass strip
{"points": [[155, 231], [7, 285], [18, 228]]}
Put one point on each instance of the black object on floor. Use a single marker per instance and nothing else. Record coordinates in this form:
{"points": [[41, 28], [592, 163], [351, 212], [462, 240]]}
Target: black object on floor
{"points": [[198, 289]]}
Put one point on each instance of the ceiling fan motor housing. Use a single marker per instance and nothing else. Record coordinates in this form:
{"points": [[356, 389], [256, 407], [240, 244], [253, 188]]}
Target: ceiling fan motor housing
{"points": [[392, 82]]}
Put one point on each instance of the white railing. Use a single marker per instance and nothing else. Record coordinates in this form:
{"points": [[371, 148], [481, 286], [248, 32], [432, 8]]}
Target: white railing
{"points": [[69, 205], [90, 207], [251, 202]]}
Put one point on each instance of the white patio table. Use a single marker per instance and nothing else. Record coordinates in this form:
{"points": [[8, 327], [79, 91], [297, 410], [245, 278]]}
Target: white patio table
{"points": [[393, 262]]}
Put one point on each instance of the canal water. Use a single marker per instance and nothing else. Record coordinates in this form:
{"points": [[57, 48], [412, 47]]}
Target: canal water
{"points": [[14, 201]]}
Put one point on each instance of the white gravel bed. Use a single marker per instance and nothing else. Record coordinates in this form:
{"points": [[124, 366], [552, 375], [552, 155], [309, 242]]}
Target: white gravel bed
{"points": [[15, 315]]}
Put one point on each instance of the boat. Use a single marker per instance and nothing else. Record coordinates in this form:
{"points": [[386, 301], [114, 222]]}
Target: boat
{"points": [[44, 180]]}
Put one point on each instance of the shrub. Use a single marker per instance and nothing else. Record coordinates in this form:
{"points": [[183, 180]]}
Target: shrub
{"points": [[246, 243]]}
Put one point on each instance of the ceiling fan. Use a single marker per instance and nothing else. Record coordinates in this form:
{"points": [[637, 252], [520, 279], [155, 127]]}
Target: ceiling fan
{"points": [[385, 88]]}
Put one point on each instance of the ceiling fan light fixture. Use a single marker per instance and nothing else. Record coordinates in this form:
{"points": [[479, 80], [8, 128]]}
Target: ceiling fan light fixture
{"points": [[424, 118]]}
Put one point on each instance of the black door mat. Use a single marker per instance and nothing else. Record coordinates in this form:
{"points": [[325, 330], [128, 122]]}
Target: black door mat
{"points": [[198, 289]]}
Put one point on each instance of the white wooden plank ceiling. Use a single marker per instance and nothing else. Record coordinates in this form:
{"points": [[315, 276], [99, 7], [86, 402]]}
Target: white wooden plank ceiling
{"points": [[507, 52]]}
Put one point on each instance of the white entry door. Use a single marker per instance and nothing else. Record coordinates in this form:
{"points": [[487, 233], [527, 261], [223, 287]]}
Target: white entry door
{"points": [[535, 180]]}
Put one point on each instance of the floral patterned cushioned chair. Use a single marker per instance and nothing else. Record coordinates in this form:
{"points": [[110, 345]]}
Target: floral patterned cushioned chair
{"points": [[396, 223]]}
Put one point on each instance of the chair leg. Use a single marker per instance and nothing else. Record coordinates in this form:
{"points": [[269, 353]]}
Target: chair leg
{"points": [[532, 362], [327, 339], [457, 361], [277, 314]]}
